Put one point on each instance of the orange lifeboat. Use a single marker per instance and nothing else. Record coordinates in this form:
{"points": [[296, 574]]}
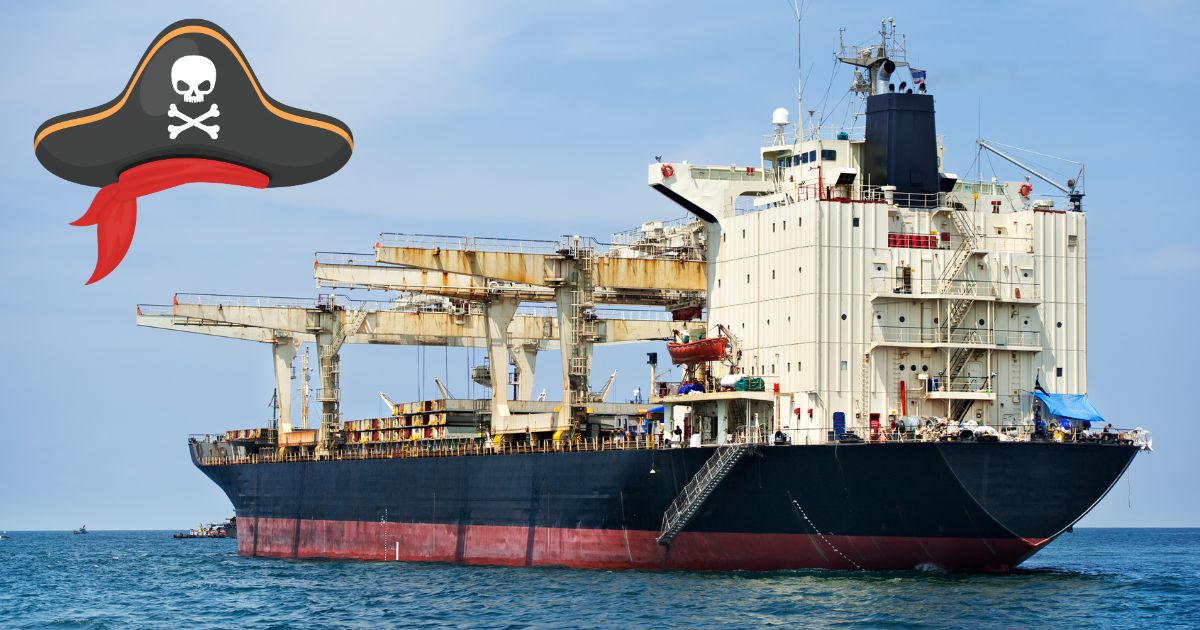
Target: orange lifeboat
{"points": [[700, 351]]}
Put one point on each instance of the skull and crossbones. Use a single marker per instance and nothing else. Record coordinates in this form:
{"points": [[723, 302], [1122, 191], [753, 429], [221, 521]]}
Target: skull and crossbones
{"points": [[197, 122], [193, 77]]}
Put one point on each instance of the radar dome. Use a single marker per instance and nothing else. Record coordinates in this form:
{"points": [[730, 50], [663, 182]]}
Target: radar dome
{"points": [[779, 116]]}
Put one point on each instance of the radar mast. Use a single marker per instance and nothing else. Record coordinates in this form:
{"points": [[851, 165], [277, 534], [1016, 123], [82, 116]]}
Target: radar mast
{"points": [[880, 60]]}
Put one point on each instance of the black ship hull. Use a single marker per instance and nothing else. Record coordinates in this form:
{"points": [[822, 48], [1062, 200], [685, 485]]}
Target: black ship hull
{"points": [[958, 506]]}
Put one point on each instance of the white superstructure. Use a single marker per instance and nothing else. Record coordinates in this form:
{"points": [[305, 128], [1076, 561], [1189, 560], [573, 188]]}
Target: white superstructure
{"points": [[859, 298]]}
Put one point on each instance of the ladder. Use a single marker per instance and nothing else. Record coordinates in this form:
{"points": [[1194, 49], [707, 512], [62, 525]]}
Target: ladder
{"points": [[864, 380], [967, 247], [584, 331], [692, 497]]}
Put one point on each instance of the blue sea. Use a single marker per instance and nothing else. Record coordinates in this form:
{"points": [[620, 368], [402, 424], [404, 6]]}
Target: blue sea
{"points": [[1112, 578]]}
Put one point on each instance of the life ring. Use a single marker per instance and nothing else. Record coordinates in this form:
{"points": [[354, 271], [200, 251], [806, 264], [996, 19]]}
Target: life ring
{"points": [[668, 171], [1025, 189]]}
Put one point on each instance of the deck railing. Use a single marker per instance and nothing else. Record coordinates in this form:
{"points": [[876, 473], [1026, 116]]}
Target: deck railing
{"points": [[476, 447]]}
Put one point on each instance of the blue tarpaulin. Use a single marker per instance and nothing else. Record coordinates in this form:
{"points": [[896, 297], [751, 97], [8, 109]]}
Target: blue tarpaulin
{"points": [[1069, 406], [658, 409]]}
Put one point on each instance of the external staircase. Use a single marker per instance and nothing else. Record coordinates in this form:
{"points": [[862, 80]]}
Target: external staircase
{"points": [[696, 492], [965, 290]]}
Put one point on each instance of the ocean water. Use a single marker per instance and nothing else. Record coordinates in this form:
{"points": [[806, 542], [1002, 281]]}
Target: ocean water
{"points": [[1093, 577]]}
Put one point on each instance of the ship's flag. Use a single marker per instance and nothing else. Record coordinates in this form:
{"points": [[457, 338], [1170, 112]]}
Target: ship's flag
{"points": [[918, 76]]}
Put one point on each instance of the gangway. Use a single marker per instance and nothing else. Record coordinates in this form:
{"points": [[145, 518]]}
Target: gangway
{"points": [[696, 492]]}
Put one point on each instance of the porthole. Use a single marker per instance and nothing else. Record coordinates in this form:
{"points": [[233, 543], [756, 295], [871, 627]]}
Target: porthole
{"points": [[878, 316], [982, 322], [913, 368], [924, 368], [901, 367], [1027, 322], [1058, 325], [843, 317], [1025, 274], [935, 320], [901, 319]]}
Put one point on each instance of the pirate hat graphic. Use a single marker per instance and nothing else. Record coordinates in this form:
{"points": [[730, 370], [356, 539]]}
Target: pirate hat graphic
{"points": [[193, 111]]}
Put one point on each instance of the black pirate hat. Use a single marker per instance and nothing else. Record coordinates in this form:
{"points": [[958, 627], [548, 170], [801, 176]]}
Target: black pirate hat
{"points": [[193, 111]]}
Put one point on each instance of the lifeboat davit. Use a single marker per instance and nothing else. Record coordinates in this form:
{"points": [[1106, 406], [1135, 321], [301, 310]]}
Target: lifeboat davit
{"points": [[700, 351]]}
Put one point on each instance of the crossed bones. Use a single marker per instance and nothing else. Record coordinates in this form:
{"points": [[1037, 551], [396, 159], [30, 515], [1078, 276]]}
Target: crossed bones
{"points": [[197, 122]]}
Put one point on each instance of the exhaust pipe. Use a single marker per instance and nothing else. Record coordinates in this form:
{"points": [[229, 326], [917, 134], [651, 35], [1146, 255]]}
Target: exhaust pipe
{"points": [[883, 75]]}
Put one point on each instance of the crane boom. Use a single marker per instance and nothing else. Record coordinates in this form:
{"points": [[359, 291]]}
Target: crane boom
{"points": [[1074, 195]]}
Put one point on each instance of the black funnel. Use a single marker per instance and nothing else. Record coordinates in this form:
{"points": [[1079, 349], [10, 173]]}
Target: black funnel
{"points": [[901, 144]]}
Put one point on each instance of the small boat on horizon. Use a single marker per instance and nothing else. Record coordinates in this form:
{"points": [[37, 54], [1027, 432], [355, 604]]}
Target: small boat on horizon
{"points": [[5, 536], [82, 530]]}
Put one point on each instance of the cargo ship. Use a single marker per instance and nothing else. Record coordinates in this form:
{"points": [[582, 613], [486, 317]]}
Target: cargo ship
{"points": [[880, 367]]}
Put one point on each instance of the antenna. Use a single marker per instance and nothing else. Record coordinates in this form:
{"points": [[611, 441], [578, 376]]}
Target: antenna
{"points": [[798, 8]]}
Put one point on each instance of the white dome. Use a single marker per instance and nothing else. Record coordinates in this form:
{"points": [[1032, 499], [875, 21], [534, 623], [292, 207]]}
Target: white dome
{"points": [[779, 116]]}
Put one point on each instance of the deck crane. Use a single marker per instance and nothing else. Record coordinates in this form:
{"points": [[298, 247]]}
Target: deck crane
{"points": [[1073, 188]]}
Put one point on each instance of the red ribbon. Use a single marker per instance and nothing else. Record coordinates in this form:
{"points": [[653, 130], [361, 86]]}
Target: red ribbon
{"points": [[114, 208]]}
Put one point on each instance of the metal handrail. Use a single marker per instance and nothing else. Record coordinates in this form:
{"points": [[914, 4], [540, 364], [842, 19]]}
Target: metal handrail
{"points": [[155, 309], [468, 243], [632, 236], [347, 258], [450, 447]]}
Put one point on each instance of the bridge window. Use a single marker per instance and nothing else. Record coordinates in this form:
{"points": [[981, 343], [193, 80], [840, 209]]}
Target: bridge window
{"points": [[1058, 371], [828, 154], [804, 158], [855, 221], [812, 155]]}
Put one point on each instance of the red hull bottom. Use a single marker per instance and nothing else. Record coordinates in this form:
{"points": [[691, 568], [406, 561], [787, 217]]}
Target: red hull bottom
{"points": [[621, 549]]}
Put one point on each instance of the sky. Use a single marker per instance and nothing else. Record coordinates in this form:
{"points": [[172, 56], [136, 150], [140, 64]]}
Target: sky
{"points": [[534, 120]]}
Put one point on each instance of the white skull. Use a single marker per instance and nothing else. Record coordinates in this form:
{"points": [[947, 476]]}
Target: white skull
{"points": [[193, 77]]}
